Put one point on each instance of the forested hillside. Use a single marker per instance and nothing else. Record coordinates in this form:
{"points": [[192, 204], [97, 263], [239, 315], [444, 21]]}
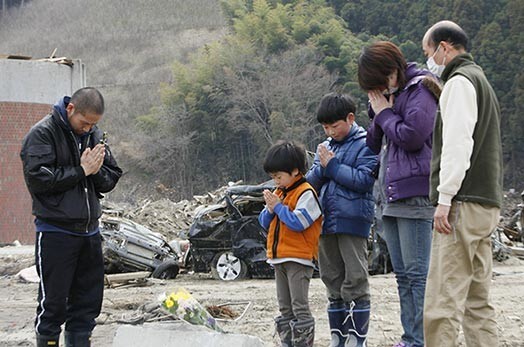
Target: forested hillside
{"points": [[263, 81], [255, 74], [496, 32], [128, 47]]}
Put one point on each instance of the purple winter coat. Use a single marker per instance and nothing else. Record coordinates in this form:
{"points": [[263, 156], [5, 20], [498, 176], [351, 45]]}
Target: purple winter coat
{"points": [[408, 127]]}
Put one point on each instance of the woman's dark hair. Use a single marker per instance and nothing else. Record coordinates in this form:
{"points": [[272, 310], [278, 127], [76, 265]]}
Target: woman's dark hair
{"points": [[449, 32], [334, 107], [377, 62], [285, 156]]}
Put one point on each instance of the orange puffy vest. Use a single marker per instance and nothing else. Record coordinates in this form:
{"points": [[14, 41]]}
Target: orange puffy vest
{"points": [[283, 242]]}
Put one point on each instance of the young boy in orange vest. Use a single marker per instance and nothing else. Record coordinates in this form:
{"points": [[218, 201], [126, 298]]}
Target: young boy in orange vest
{"points": [[292, 217]]}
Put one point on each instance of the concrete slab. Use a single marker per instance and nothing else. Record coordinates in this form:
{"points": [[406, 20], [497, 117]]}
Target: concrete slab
{"points": [[179, 334]]}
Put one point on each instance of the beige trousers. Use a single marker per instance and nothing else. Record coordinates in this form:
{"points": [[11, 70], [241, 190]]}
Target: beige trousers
{"points": [[459, 279]]}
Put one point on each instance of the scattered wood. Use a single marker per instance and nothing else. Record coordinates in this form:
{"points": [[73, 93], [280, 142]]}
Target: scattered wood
{"points": [[59, 60], [52, 59], [128, 279], [221, 312], [15, 56], [224, 313]]}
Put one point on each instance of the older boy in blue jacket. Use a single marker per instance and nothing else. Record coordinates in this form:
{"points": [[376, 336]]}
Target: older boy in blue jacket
{"points": [[342, 174]]}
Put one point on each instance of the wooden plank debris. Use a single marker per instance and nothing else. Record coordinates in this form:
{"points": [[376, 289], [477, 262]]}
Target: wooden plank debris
{"points": [[128, 279], [59, 60], [15, 56]]}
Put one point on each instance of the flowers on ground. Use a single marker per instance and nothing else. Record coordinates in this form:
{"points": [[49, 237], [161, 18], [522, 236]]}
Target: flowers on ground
{"points": [[182, 305]]}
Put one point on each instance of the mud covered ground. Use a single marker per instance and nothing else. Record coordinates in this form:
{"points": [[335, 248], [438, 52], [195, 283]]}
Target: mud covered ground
{"points": [[17, 305]]}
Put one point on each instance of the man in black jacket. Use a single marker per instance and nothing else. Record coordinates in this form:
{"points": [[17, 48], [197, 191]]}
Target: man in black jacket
{"points": [[67, 167]]}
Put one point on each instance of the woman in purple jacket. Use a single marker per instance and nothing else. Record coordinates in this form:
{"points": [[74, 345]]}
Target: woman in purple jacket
{"points": [[402, 107]]}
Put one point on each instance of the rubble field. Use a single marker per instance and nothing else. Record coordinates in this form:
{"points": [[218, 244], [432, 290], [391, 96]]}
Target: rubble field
{"points": [[18, 303], [123, 303]]}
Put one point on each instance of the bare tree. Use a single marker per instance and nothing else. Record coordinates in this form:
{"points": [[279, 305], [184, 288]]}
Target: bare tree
{"points": [[277, 98]]}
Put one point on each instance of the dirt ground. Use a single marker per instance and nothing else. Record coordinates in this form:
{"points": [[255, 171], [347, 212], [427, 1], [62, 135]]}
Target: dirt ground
{"points": [[17, 305]]}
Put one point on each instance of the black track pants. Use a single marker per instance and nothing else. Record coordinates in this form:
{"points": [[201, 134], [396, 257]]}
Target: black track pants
{"points": [[71, 270]]}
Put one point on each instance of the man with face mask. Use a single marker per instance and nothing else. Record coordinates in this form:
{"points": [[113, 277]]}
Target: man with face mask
{"points": [[466, 187], [67, 166]]}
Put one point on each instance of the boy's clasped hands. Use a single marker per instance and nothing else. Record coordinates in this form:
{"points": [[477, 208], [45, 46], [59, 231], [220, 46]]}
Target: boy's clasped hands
{"points": [[271, 200], [324, 155]]}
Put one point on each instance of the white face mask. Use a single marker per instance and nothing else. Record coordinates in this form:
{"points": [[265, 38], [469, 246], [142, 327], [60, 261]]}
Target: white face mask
{"points": [[433, 66]]}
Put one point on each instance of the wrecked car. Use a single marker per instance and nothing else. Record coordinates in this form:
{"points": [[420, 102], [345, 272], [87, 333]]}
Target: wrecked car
{"points": [[129, 247], [227, 240]]}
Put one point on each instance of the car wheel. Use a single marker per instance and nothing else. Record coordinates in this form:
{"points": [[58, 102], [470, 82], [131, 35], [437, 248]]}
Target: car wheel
{"points": [[168, 270], [227, 267]]}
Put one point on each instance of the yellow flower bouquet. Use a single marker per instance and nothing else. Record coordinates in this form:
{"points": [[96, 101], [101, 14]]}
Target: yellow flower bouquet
{"points": [[182, 305]]}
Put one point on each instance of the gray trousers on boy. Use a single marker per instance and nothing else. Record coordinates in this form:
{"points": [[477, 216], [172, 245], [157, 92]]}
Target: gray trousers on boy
{"points": [[343, 262], [292, 281]]}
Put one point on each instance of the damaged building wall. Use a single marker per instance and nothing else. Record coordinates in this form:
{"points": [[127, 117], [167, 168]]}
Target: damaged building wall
{"points": [[28, 90]]}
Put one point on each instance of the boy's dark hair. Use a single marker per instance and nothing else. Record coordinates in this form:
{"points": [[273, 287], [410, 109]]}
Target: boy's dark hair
{"points": [[285, 156], [88, 100], [376, 62], [334, 107]]}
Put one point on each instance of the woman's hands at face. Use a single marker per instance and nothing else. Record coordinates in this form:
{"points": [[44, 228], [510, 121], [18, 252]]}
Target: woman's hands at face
{"points": [[379, 102]]}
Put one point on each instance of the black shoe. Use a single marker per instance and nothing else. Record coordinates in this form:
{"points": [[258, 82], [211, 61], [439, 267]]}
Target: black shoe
{"points": [[46, 341], [77, 339]]}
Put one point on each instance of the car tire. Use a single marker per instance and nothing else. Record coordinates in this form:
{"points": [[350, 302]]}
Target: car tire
{"points": [[227, 267], [168, 270]]}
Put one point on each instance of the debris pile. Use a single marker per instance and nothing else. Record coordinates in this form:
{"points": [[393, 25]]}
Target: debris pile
{"points": [[169, 218], [510, 204], [509, 236], [173, 219]]}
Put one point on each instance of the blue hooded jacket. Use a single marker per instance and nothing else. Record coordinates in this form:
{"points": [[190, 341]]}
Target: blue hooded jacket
{"points": [[345, 186]]}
